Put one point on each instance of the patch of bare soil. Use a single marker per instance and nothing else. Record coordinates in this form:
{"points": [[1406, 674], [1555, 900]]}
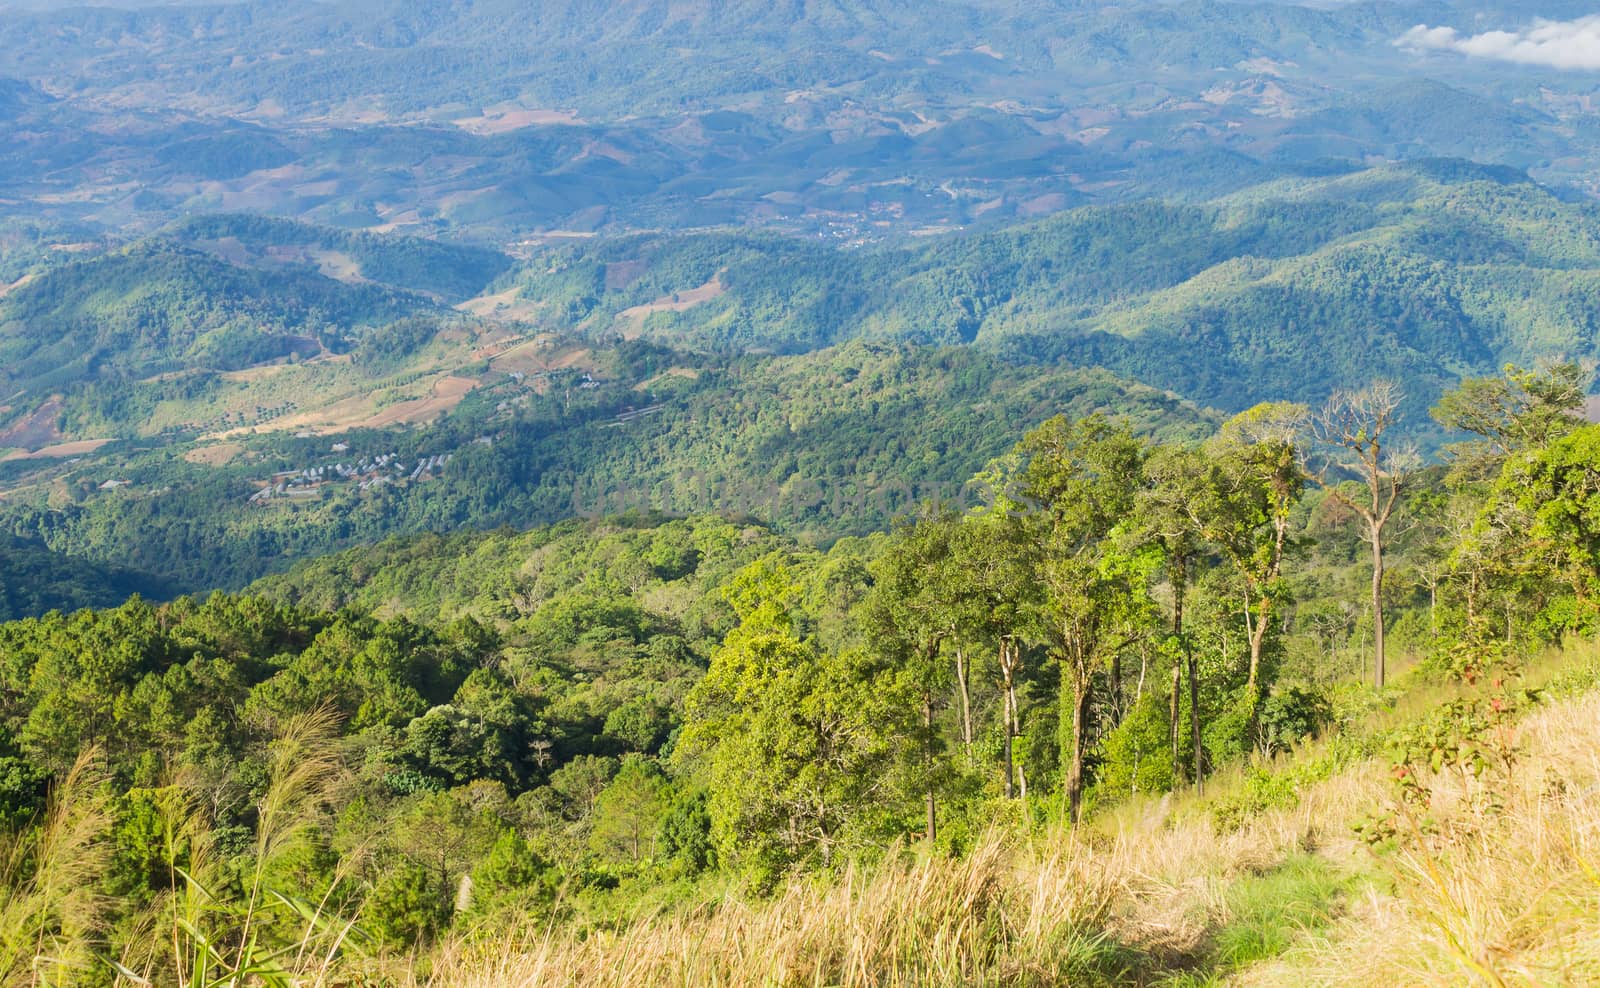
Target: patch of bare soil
{"points": [[8, 289], [630, 322], [688, 373], [531, 357], [621, 274], [447, 394], [37, 429], [494, 120], [502, 305], [358, 413], [338, 265], [78, 447], [214, 456]]}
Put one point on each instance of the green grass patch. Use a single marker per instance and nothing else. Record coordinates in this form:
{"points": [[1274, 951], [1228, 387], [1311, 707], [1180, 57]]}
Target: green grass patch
{"points": [[1267, 914]]}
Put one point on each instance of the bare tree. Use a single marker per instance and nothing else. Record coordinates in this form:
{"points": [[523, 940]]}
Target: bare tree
{"points": [[1354, 426]]}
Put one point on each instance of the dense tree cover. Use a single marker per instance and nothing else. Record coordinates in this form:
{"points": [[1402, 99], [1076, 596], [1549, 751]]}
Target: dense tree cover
{"points": [[560, 720], [1462, 267], [823, 445], [34, 580], [520, 743], [156, 307], [837, 441], [1417, 272], [25, 246], [1102, 573]]}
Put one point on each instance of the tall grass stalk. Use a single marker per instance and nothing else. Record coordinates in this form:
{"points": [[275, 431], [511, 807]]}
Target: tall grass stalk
{"points": [[50, 908], [228, 930]]}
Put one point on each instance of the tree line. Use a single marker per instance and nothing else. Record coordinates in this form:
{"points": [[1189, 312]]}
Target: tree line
{"points": [[1115, 617], [438, 733]]}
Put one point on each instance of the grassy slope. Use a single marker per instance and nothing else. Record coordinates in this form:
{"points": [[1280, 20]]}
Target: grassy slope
{"points": [[1157, 893]]}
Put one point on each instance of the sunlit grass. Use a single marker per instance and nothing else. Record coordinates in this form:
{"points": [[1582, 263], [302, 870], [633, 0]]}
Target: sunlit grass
{"points": [[1153, 892]]}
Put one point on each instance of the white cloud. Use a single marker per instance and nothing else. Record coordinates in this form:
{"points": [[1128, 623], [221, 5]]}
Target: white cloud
{"points": [[1557, 44]]}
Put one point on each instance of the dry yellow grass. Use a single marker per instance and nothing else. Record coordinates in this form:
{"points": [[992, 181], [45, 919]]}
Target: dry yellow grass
{"points": [[506, 118], [1059, 909], [50, 900], [78, 447], [1512, 899], [630, 322], [216, 455]]}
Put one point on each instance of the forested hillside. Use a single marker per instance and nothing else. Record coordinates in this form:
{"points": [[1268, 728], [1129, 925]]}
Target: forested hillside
{"points": [[415, 750], [863, 493], [833, 443], [155, 308], [452, 272], [34, 580], [163, 386], [1421, 272]]}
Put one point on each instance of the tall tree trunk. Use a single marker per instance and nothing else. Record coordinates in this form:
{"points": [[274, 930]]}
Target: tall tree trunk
{"points": [[1180, 589], [1080, 724], [1176, 722], [1377, 604], [966, 702], [1007, 670], [1116, 689], [1258, 638], [927, 753], [1194, 716]]}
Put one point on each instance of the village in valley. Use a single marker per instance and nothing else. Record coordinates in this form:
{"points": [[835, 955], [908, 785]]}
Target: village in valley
{"points": [[366, 474]]}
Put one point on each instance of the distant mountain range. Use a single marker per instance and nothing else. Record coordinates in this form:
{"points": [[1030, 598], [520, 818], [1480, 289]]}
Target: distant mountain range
{"points": [[1422, 272], [854, 120], [279, 278]]}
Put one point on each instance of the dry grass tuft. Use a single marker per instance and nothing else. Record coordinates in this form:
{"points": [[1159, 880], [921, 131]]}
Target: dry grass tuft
{"points": [[1104, 908], [50, 906], [1510, 897]]}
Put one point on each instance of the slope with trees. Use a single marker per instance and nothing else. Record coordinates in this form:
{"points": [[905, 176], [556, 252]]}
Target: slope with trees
{"points": [[449, 734]]}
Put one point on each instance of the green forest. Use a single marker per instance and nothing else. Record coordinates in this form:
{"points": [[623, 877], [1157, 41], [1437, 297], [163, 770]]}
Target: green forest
{"points": [[828, 494], [381, 757], [819, 390], [827, 444]]}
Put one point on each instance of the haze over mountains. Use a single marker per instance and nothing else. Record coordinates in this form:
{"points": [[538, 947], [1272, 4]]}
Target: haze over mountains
{"points": [[850, 119], [230, 234]]}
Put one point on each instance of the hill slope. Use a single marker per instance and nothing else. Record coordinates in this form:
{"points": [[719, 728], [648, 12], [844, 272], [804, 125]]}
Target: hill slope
{"points": [[156, 307], [1160, 893], [34, 580], [1419, 272], [823, 444]]}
